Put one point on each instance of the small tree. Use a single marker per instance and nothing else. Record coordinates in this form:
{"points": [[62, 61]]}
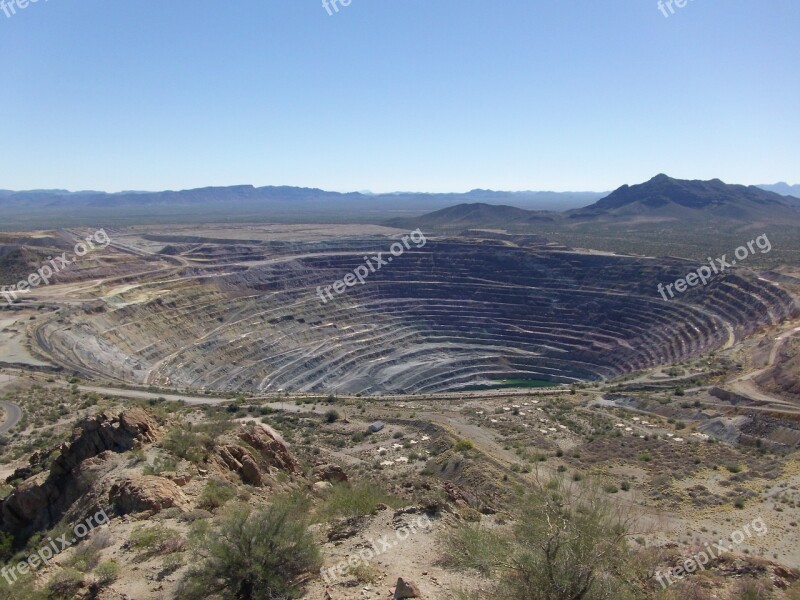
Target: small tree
{"points": [[569, 543], [572, 546], [253, 554]]}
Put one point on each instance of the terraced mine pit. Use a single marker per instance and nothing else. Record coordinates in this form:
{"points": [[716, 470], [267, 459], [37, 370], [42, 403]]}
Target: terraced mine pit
{"points": [[238, 314]]}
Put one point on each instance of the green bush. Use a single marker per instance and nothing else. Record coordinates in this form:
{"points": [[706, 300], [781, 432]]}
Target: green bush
{"points": [[64, 585], [186, 444], [253, 555], [473, 546], [107, 572], [155, 540], [6, 547], [356, 500], [463, 446], [216, 494], [568, 543], [160, 465]]}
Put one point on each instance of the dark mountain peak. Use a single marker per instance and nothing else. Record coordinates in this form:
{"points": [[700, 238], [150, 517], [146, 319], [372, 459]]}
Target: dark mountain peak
{"points": [[666, 194]]}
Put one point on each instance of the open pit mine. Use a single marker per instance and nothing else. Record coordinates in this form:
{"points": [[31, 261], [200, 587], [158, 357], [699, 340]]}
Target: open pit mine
{"points": [[241, 310]]}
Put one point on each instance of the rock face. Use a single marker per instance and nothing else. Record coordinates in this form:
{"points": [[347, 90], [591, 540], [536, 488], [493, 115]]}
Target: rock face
{"points": [[272, 450], [237, 459], [330, 473], [459, 496], [104, 432], [146, 494], [253, 454], [40, 501]]}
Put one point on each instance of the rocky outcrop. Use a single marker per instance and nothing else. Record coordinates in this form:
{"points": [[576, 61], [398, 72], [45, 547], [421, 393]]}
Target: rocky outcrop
{"points": [[237, 459], [105, 432], [40, 501], [146, 494], [272, 451], [329, 473], [253, 454], [459, 496]]}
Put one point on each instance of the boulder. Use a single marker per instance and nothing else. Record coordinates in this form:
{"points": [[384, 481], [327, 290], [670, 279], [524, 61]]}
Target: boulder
{"points": [[329, 473], [406, 589], [146, 494], [271, 450], [240, 461]]}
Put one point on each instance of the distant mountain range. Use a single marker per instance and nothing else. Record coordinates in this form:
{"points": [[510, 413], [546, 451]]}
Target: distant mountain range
{"points": [[661, 199], [47, 209], [283, 195], [782, 188]]}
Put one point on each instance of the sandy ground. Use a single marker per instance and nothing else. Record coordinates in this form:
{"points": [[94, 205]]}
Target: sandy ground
{"points": [[392, 547], [13, 339]]}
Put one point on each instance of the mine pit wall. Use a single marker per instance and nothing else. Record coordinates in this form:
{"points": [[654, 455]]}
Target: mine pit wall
{"points": [[437, 318]]}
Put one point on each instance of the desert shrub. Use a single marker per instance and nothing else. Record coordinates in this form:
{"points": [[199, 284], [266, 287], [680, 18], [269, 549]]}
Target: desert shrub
{"points": [[172, 563], [750, 589], [6, 546], [107, 572], [85, 558], [87, 553], [567, 543], [216, 493], [473, 546], [65, 584], [331, 416], [186, 444], [793, 593], [136, 456], [463, 446], [346, 500], [160, 465], [155, 540], [252, 555], [195, 515], [365, 573]]}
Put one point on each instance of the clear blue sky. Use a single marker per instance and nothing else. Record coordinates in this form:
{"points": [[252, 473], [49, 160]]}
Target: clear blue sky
{"points": [[428, 95]]}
